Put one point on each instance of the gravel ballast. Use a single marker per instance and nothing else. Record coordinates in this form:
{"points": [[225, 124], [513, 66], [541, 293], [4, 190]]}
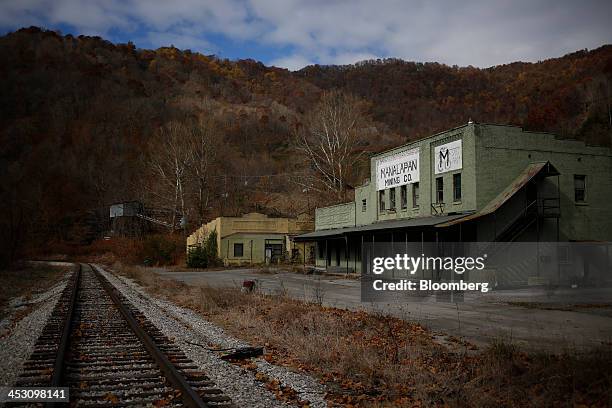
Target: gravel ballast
{"points": [[187, 327], [18, 343]]}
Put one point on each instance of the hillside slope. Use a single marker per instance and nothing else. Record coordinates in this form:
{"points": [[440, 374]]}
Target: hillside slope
{"points": [[78, 116], [569, 96]]}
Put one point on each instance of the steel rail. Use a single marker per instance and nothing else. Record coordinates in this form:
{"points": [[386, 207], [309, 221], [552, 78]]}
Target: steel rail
{"points": [[58, 366], [188, 394]]}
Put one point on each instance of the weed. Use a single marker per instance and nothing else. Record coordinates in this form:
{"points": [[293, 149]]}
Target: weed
{"points": [[377, 360]]}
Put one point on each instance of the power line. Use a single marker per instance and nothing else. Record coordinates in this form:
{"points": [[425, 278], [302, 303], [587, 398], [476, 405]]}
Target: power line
{"points": [[258, 176]]}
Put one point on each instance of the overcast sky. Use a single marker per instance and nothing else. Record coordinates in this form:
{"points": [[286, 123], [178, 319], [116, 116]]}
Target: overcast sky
{"points": [[296, 33]]}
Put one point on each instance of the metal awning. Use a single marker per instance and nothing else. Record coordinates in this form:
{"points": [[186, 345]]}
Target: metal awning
{"points": [[380, 226], [544, 168], [331, 234]]}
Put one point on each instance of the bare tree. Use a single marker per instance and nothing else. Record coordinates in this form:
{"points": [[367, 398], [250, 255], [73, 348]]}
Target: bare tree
{"points": [[329, 141], [169, 159], [203, 144]]}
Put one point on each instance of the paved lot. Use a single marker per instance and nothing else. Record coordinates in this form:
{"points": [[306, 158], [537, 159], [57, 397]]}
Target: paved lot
{"points": [[480, 318]]}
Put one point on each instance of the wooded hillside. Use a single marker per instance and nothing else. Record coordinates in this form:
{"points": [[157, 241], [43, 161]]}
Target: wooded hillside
{"points": [[81, 119], [569, 96]]}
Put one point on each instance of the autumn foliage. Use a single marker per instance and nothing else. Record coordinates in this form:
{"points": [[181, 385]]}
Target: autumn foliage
{"points": [[80, 117]]}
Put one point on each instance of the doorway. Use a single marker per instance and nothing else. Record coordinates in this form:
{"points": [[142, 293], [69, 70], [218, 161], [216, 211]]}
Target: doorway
{"points": [[274, 250]]}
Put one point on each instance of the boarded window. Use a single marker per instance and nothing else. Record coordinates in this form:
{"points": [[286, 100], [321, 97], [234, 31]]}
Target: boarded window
{"points": [[404, 196], [381, 200], [457, 187], [439, 190], [415, 195], [238, 250], [579, 188], [392, 199]]}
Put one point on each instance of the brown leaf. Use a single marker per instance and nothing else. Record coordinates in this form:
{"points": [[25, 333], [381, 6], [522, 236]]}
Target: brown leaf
{"points": [[111, 398]]}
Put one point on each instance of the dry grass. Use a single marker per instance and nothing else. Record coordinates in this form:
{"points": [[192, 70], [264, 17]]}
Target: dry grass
{"points": [[166, 249], [369, 360]]}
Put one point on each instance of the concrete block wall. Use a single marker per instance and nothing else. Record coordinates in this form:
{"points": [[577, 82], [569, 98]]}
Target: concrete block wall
{"points": [[504, 151], [336, 216], [468, 172], [492, 157], [254, 225], [253, 247], [428, 179], [365, 192]]}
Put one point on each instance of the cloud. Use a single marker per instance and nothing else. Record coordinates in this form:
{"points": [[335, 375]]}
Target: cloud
{"points": [[345, 58], [15, 14], [295, 62], [198, 17], [477, 32], [292, 62], [182, 41], [472, 32]]}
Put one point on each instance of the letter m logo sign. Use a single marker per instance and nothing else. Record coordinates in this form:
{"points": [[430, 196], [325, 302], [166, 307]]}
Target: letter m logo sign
{"points": [[443, 159]]}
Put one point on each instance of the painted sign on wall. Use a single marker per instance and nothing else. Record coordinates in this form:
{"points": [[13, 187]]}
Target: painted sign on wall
{"points": [[397, 170], [448, 157]]}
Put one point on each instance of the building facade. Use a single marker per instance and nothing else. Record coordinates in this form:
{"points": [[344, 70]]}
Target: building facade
{"points": [[256, 238], [477, 182]]}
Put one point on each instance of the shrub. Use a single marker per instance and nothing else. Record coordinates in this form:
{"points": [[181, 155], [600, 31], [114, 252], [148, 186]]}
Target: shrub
{"points": [[212, 250], [205, 255], [161, 250], [128, 250], [197, 258]]}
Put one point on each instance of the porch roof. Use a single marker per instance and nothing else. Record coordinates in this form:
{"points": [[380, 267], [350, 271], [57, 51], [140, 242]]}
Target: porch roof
{"points": [[546, 169], [379, 226]]}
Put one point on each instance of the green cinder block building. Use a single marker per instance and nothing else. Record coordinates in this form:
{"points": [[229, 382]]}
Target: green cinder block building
{"points": [[477, 182]]}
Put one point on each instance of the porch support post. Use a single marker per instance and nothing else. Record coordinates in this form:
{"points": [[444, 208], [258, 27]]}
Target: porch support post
{"points": [[346, 252], [360, 257]]}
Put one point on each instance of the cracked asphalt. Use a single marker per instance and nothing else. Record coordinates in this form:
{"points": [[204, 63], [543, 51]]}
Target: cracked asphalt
{"points": [[580, 318]]}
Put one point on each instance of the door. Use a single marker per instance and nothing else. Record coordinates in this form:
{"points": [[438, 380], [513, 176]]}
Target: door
{"points": [[274, 250]]}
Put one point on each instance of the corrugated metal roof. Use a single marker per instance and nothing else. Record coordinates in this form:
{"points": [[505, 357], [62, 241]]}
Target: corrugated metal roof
{"points": [[383, 225], [331, 233], [527, 174]]}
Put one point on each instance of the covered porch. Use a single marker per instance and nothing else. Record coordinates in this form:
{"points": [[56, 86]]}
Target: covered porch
{"points": [[339, 250]]}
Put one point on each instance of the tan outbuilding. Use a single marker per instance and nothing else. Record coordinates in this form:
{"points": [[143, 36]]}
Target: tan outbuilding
{"points": [[256, 238]]}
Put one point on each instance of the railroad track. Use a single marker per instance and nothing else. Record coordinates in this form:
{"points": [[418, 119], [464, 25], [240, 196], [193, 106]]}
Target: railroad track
{"points": [[98, 344]]}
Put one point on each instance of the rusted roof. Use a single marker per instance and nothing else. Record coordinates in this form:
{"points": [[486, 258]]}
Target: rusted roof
{"points": [[526, 175]]}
